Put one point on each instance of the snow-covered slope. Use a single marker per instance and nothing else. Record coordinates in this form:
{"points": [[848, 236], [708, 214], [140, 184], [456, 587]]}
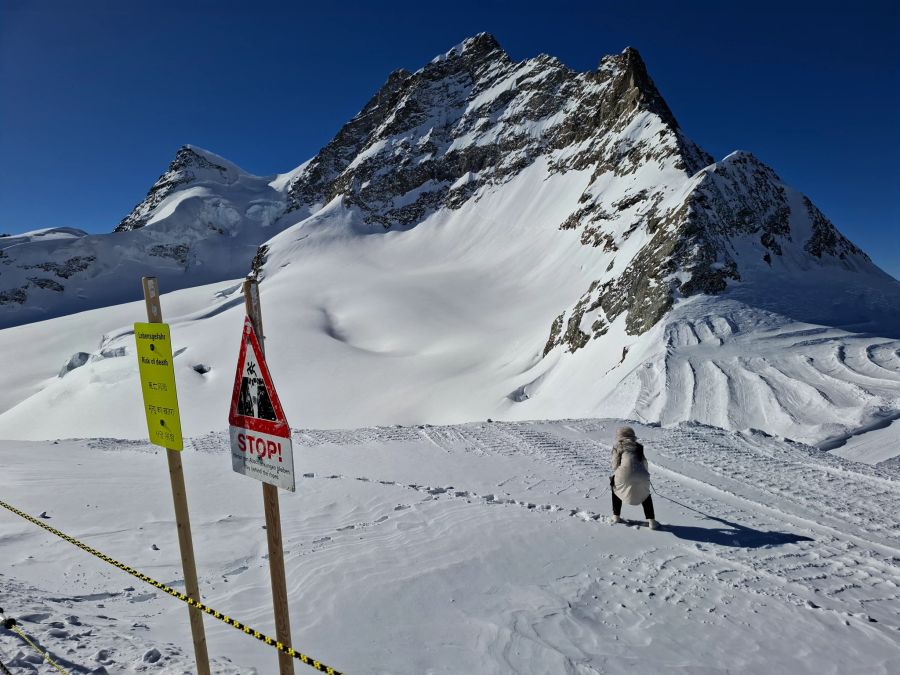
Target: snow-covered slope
{"points": [[486, 238], [480, 548]]}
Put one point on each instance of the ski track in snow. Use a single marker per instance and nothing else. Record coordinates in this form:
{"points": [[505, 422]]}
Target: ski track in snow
{"points": [[773, 555]]}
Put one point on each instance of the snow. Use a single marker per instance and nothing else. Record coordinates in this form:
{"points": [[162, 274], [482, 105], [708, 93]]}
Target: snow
{"points": [[43, 234], [283, 180], [871, 446], [724, 363], [475, 548]]}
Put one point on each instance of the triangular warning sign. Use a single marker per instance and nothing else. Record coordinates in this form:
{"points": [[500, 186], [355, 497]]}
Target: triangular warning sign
{"points": [[254, 401]]}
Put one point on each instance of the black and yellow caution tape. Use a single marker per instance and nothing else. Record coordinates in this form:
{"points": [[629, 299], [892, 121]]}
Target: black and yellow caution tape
{"points": [[10, 624], [40, 651], [262, 637]]}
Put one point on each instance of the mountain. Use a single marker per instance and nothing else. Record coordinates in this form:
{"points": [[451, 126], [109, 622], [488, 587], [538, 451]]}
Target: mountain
{"points": [[485, 238], [202, 221]]}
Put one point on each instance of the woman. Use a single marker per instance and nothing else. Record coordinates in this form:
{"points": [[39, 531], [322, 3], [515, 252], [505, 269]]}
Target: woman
{"points": [[631, 482]]}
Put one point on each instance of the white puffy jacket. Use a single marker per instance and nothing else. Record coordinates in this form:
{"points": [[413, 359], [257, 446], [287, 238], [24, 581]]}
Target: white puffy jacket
{"points": [[632, 477]]}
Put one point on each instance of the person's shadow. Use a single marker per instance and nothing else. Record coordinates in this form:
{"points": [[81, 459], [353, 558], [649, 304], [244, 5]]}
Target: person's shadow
{"points": [[732, 534]]}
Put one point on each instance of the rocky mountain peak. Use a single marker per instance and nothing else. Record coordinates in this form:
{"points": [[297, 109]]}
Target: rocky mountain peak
{"points": [[190, 164], [484, 43], [481, 47], [474, 59], [472, 119], [634, 86]]}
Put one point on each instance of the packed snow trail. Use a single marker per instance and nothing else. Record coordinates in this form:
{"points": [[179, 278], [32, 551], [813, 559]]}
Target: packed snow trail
{"points": [[482, 547]]}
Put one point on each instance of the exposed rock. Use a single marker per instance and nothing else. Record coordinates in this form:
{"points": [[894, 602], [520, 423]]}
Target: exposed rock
{"points": [[826, 240], [259, 260], [177, 252], [14, 296], [555, 331], [65, 269], [48, 284], [694, 245]]}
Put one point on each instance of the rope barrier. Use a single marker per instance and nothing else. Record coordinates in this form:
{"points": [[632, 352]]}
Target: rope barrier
{"points": [[262, 637], [675, 501], [10, 624], [46, 655]]}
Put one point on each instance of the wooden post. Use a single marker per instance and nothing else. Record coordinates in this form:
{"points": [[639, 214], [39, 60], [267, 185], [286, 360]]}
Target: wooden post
{"points": [[182, 518], [273, 513]]}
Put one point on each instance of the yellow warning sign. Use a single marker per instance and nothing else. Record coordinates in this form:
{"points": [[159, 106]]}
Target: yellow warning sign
{"points": [[154, 352]]}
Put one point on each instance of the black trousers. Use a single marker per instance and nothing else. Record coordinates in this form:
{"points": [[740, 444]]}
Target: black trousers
{"points": [[617, 503]]}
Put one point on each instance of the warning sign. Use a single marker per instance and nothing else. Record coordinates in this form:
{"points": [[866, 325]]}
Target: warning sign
{"points": [[260, 434], [154, 353]]}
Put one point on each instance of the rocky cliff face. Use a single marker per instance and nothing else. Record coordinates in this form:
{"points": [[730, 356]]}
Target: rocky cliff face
{"points": [[472, 119], [730, 217]]}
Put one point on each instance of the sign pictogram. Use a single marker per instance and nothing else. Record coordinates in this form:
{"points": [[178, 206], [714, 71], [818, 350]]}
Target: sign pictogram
{"points": [[260, 434]]}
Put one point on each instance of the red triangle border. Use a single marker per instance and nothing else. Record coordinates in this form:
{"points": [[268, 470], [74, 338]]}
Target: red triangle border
{"points": [[280, 426]]}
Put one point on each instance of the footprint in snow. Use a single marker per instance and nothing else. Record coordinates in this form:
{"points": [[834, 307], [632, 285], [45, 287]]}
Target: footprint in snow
{"points": [[152, 656], [34, 618]]}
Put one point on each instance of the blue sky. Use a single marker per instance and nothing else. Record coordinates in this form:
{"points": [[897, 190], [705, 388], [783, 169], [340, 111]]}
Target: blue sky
{"points": [[96, 96]]}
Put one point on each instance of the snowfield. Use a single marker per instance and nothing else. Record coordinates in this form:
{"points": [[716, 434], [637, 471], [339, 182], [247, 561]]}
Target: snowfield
{"points": [[474, 548], [446, 323], [485, 240]]}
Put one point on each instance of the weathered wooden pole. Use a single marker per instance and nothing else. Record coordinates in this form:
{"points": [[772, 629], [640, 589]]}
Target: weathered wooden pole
{"points": [[273, 513], [182, 518]]}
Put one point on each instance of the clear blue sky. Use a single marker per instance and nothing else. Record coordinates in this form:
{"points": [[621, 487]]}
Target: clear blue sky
{"points": [[96, 96]]}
